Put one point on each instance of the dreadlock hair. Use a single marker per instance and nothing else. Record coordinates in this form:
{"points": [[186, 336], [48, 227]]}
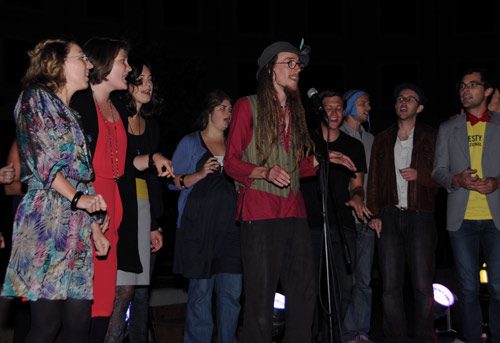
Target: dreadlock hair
{"points": [[267, 130]]}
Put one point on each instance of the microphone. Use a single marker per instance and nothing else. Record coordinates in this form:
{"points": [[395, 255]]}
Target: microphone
{"points": [[312, 94]]}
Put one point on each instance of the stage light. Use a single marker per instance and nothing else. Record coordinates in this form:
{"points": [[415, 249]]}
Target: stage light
{"points": [[278, 314], [443, 295], [443, 300], [483, 274]]}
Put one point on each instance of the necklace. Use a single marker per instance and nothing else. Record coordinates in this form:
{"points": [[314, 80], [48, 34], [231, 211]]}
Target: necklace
{"points": [[114, 156], [133, 133]]}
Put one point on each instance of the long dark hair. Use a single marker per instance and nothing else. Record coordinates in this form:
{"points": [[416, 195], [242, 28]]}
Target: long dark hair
{"points": [[153, 107], [211, 100]]}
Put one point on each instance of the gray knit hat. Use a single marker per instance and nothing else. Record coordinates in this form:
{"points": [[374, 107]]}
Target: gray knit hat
{"points": [[274, 49]]}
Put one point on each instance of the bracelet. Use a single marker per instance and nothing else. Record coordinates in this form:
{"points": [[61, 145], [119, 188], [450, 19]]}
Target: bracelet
{"points": [[181, 181], [151, 162], [160, 230], [77, 197]]}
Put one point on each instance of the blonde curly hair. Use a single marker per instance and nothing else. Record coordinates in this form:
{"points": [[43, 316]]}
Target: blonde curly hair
{"points": [[47, 64]]}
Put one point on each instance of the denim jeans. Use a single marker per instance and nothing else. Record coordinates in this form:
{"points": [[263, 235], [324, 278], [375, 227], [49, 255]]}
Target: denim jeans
{"points": [[466, 243], [199, 322], [138, 323], [358, 316], [407, 237]]}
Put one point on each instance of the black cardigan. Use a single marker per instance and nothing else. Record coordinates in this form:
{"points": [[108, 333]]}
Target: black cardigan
{"points": [[127, 250]]}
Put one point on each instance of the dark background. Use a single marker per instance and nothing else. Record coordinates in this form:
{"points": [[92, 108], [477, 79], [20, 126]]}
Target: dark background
{"points": [[198, 45]]}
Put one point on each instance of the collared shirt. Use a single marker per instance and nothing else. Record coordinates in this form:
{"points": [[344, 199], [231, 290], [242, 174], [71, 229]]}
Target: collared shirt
{"points": [[474, 120], [402, 160]]}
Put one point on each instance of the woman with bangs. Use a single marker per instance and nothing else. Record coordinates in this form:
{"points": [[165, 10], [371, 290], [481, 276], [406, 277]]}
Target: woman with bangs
{"points": [[104, 117], [51, 260]]}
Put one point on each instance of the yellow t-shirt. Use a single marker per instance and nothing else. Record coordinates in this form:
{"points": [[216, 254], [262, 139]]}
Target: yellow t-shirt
{"points": [[477, 207]]}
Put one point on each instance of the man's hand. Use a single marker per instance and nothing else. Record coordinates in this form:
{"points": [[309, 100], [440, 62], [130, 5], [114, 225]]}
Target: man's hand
{"points": [[486, 185], [339, 158], [359, 207], [376, 224], [465, 180], [278, 176], [2, 241], [409, 174]]}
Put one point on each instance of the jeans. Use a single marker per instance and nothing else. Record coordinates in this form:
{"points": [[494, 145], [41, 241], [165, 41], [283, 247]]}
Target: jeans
{"points": [[138, 322], [358, 316], [466, 243], [277, 250], [407, 237], [199, 323], [343, 279]]}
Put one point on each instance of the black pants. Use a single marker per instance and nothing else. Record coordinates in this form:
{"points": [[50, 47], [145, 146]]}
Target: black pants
{"points": [[277, 250], [407, 238], [343, 278]]}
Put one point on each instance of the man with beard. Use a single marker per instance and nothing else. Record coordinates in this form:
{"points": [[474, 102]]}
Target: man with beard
{"points": [[345, 193], [266, 149], [401, 196], [467, 164]]}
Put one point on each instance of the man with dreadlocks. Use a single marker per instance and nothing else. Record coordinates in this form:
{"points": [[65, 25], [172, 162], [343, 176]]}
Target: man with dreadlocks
{"points": [[266, 149]]}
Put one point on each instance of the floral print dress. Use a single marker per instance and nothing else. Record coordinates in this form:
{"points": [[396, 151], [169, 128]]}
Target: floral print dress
{"points": [[52, 251]]}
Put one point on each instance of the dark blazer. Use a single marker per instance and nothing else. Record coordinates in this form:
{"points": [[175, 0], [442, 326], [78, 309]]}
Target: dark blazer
{"points": [[127, 250], [453, 157], [382, 186]]}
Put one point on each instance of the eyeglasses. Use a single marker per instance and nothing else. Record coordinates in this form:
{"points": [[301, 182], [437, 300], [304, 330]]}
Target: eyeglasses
{"points": [[83, 57], [409, 99], [292, 64], [471, 85]]}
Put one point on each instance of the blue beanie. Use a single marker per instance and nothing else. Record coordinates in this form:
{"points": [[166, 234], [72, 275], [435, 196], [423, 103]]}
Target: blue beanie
{"points": [[350, 98]]}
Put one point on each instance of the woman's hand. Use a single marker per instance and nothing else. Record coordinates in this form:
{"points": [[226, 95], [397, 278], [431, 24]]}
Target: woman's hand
{"points": [[92, 203], [163, 162], [105, 223], [101, 243], [156, 240], [210, 166], [7, 173]]}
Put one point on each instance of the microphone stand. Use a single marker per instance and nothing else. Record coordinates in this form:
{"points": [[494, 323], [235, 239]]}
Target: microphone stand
{"points": [[331, 276]]}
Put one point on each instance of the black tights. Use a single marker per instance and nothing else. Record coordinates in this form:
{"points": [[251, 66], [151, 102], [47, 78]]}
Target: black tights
{"points": [[47, 317], [116, 328]]}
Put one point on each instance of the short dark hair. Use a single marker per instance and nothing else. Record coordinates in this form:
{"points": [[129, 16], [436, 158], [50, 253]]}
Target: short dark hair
{"points": [[211, 100], [102, 53], [485, 78], [47, 64], [329, 93], [483, 72]]}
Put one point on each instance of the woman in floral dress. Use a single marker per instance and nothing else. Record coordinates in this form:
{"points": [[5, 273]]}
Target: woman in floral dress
{"points": [[51, 260]]}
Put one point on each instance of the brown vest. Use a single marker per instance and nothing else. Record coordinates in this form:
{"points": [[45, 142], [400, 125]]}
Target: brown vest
{"points": [[278, 156]]}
